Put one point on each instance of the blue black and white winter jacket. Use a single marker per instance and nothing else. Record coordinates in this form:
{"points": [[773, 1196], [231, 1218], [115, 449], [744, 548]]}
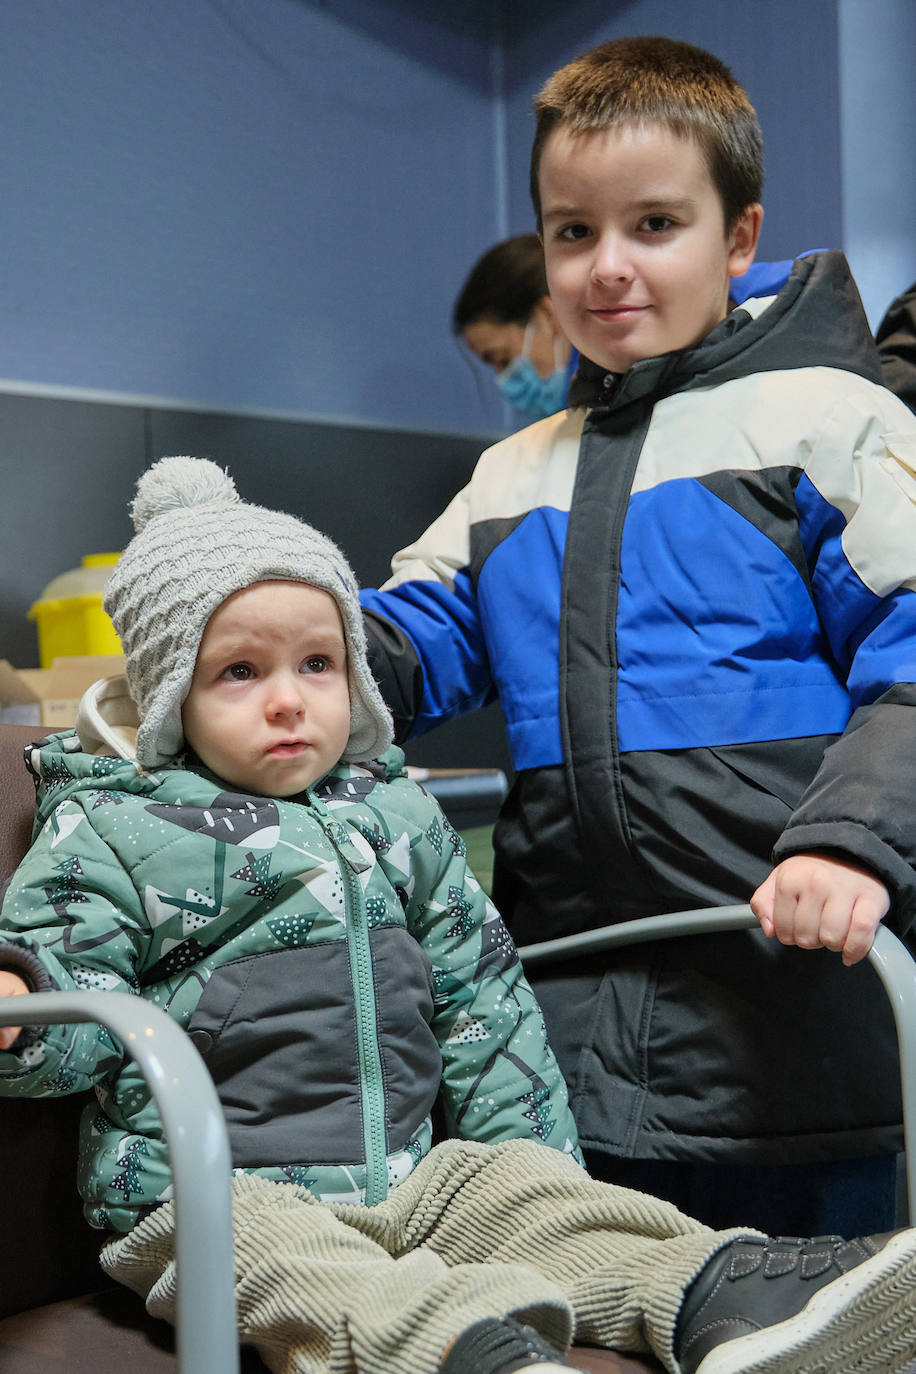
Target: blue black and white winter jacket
{"points": [[693, 595]]}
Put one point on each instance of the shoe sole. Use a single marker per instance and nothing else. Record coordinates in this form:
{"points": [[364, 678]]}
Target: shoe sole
{"points": [[862, 1323]]}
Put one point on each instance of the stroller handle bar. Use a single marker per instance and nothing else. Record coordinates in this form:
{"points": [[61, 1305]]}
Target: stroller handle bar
{"points": [[197, 1140], [888, 956], [198, 1145]]}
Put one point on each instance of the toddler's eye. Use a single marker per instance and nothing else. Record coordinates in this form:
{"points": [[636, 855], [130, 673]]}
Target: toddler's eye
{"points": [[237, 672], [316, 664]]}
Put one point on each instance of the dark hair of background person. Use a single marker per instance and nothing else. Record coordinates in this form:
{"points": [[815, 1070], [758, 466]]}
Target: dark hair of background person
{"points": [[504, 285]]}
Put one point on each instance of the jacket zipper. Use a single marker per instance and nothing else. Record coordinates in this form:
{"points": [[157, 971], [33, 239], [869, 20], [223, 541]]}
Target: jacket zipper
{"points": [[609, 453], [372, 1088]]}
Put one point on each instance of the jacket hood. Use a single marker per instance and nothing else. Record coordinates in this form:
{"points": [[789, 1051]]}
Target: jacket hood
{"points": [[100, 753], [63, 770], [107, 719], [816, 320]]}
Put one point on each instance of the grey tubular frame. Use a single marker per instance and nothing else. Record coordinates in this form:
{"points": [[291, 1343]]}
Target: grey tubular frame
{"points": [[889, 957], [198, 1145], [195, 1131]]}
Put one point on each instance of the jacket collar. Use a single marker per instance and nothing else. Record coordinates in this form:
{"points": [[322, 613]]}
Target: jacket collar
{"points": [[816, 319]]}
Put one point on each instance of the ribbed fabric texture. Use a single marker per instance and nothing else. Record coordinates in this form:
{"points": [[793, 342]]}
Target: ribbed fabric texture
{"points": [[196, 544], [514, 1229], [500, 1345]]}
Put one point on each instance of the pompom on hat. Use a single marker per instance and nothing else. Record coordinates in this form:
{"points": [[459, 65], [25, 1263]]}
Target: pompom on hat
{"points": [[197, 542]]}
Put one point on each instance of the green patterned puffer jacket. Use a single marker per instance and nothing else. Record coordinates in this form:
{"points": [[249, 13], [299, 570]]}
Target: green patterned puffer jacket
{"points": [[332, 957]]}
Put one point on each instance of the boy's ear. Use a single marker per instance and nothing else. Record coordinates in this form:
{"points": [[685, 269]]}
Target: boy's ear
{"points": [[743, 240]]}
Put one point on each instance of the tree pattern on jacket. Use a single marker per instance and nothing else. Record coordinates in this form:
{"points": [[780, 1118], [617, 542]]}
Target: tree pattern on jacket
{"points": [[153, 881]]}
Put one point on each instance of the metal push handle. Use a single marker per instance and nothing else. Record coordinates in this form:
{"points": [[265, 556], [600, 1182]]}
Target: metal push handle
{"points": [[198, 1145], [888, 955]]}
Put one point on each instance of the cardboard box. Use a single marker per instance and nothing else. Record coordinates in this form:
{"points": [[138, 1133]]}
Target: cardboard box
{"points": [[50, 696]]}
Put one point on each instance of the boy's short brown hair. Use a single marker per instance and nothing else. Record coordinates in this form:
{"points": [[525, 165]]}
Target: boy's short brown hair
{"points": [[662, 81]]}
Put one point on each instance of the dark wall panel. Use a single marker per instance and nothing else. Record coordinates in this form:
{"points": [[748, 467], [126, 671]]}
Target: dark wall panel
{"points": [[69, 470], [372, 490]]}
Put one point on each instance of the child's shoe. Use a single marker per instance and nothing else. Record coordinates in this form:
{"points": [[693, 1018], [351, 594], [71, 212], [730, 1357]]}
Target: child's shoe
{"points": [[786, 1306], [499, 1346]]}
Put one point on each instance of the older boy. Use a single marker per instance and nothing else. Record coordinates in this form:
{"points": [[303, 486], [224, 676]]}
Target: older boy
{"points": [[310, 920], [693, 594]]}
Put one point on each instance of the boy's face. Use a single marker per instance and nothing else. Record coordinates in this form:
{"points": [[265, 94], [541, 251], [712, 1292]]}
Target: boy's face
{"points": [[269, 704], [638, 259]]}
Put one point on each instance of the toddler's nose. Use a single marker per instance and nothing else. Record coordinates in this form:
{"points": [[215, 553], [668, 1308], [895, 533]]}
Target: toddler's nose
{"points": [[285, 697]]}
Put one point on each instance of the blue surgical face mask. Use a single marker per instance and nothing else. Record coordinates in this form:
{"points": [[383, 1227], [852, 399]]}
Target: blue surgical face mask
{"points": [[524, 387]]}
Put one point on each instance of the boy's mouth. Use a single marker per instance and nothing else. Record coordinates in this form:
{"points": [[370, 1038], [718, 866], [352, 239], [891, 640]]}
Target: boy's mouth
{"points": [[612, 313]]}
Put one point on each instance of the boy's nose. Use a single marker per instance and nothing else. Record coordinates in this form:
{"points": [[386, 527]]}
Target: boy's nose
{"points": [[611, 261]]}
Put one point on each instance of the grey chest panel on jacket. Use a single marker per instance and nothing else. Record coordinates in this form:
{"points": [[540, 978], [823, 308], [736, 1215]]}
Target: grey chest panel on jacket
{"points": [[278, 1032]]}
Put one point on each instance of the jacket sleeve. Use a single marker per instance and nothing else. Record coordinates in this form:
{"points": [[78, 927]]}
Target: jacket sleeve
{"points": [[500, 1080], [857, 510], [426, 644], [71, 919], [896, 337]]}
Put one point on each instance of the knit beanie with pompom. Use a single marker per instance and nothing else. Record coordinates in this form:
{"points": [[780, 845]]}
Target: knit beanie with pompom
{"points": [[197, 542]]}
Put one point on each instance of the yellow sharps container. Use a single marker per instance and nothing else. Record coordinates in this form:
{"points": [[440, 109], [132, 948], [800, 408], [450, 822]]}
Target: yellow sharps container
{"points": [[69, 613]]}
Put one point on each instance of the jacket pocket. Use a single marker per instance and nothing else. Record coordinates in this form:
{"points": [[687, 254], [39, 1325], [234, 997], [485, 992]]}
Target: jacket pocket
{"points": [[278, 1032]]}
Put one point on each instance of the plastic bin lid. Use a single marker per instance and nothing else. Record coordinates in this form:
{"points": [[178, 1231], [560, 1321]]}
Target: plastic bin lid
{"points": [[87, 580]]}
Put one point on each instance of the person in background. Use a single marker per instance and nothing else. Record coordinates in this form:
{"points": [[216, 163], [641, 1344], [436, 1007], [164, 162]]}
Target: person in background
{"points": [[504, 315]]}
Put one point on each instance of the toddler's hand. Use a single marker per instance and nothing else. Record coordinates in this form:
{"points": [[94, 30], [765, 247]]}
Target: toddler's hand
{"points": [[11, 985], [814, 901]]}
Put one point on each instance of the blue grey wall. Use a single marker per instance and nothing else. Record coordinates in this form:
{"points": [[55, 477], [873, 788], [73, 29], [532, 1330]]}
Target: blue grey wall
{"points": [[269, 205], [256, 204], [878, 139]]}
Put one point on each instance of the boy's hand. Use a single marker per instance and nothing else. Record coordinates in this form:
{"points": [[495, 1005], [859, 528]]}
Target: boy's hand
{"points": [[11, 985], [818, 902]]}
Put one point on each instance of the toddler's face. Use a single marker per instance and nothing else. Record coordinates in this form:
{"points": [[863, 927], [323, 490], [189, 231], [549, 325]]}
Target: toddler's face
{"points": [[638, 259], [269, 704]]}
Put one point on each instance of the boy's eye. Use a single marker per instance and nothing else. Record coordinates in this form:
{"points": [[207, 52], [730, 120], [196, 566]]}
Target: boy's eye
{"points": [[237, 672], [316, 664], [573, 231], [658, 224]]}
